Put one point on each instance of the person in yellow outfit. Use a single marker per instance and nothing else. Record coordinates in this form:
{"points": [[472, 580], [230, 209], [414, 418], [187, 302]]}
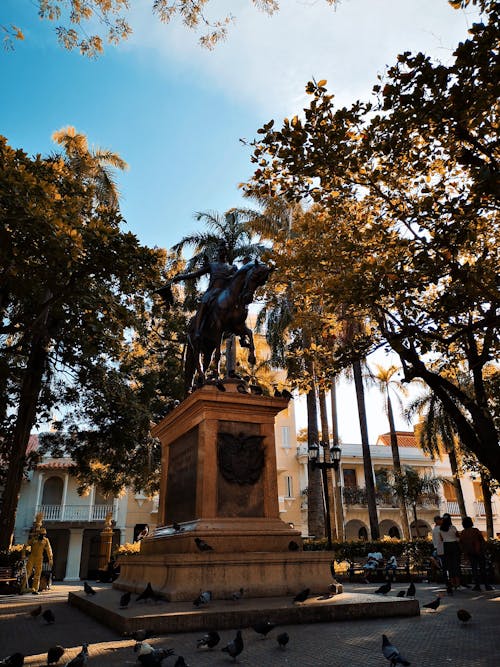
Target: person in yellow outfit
{"points": [[39, 544]]}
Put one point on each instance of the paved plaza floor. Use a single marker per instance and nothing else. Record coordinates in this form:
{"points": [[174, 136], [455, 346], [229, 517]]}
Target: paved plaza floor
{"points": [[432, 639]]}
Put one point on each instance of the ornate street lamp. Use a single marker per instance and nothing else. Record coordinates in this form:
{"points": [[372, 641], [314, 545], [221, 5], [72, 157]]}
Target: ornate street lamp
{"points": [[315, 461]]}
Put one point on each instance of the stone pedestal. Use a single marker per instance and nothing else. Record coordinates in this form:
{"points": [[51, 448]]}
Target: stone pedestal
{"points": [[219, 484]]}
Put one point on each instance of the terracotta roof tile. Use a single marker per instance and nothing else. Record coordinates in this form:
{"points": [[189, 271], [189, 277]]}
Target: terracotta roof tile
{"points": [[57, 463], [405, 439]]}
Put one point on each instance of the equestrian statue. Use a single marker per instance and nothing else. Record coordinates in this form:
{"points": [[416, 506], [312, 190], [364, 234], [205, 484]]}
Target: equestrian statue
{"points": [[222, 312]]}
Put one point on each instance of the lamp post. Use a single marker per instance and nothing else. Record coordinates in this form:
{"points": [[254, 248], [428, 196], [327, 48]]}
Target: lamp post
{"points": [[333, 464]]}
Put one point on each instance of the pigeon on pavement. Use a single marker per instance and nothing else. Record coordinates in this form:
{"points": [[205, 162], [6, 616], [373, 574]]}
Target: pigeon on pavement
{"points": [[237, 595], [202, 546], [392, 654], [401, 594], [263, 627], [283, 639], [54, 654], [410, 593], [180, 662], [210, 640], [14, 660], [384, 589], [463, 615], [48, 616], [302, 596], [88, 589], [148, 594], [81, 658], [34, 613], [125, 600], [203, 598], [155, 656], [235, 647], [433, 605]]}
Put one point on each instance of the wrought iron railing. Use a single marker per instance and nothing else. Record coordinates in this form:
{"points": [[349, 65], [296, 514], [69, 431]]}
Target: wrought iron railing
{"points": [[452, 507], [479, 508], [76, 512]]}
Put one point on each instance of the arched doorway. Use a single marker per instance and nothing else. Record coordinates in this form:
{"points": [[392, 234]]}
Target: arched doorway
{"points": [[419, 528], [390, 528], [356, 530], [52, 498]]}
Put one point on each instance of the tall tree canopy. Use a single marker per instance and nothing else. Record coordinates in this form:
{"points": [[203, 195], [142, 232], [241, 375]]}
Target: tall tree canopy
{"points": [[73, 290], [78, 21], [408, 235]]}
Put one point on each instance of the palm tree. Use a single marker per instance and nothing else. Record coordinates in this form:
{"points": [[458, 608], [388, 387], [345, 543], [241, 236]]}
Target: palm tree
{"points": [[385, 381], [413, 487], [437, 435], [95, 166]]}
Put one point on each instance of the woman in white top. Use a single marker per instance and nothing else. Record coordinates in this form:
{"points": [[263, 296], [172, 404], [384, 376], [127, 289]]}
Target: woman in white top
{"points": [[449, 537]]}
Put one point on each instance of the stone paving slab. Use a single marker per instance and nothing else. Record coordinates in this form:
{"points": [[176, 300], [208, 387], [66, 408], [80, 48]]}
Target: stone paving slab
{"points": [[432, 639], [224, 614]]}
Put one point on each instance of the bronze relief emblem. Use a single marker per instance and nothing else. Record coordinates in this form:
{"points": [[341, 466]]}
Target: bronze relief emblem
{"points": [[241, 457]]}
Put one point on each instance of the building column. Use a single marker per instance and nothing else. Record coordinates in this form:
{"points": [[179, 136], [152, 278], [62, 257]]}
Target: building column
{"points": [[64, 496], [39, 491], [74, 555]]}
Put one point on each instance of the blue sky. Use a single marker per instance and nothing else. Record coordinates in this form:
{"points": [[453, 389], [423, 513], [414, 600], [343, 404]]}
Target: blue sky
{"points": [[176, 112]]}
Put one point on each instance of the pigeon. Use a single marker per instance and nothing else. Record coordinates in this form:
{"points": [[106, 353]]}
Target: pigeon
{"points": [[154, 657], [180, 662], [14, 660], [401, 594], [384, 589], [203, 598], [302, 596], [202, 546], [48, 616], [88, 589], [81, 658], [463, 615], [147, 594], [256, 390], [283, 639], [210, 640], [237, 595], [54, 654], [410, 593], [125, 600], [392, 654], [433, 605], [34, 613], [220, 385], [293, 546], [263, 627], [242, 388], [235, 647]]}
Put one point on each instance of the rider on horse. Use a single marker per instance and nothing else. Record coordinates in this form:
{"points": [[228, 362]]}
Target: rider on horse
{"points": [[220, 275]]}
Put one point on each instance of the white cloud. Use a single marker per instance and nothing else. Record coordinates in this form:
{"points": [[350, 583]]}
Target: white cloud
{"points": [[266, 61]]}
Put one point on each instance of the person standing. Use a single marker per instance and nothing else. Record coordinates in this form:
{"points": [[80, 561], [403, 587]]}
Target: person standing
{"points": [[438, 553], [474, 546], [451, 547]]}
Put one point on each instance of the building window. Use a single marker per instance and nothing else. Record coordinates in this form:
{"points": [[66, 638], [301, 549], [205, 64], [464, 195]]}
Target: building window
{"points": [[288, 487], [449, 490], [285, 437], [349, 478], [52, 491]]}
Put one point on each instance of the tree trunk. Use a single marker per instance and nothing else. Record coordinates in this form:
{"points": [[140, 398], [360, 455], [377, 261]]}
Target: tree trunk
{"points": [[315, 516], [26, 417], [337, 474], [405, 524], [452, 455], [479, 434], [367, 459], [488, 510], [325, 437]]}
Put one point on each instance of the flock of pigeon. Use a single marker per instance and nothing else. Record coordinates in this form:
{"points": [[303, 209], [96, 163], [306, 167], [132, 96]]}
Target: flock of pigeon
{"points": [[150, 656]]}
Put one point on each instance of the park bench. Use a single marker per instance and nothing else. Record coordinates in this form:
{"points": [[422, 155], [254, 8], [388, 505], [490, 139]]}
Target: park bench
{"points": [[8, 579], [357, 571]]}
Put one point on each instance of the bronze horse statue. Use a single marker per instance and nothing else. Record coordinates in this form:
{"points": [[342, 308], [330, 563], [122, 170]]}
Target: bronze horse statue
{"points": [[226, 315]]}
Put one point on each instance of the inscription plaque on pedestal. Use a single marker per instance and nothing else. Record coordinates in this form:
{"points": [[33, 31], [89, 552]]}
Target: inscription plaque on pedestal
{"points": [[180, 501]]}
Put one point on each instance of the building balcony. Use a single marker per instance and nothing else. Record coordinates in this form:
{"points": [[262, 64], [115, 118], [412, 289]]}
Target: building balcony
{"points": [[451, 507], [76, 512], [356, 495], [479, 508]]}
